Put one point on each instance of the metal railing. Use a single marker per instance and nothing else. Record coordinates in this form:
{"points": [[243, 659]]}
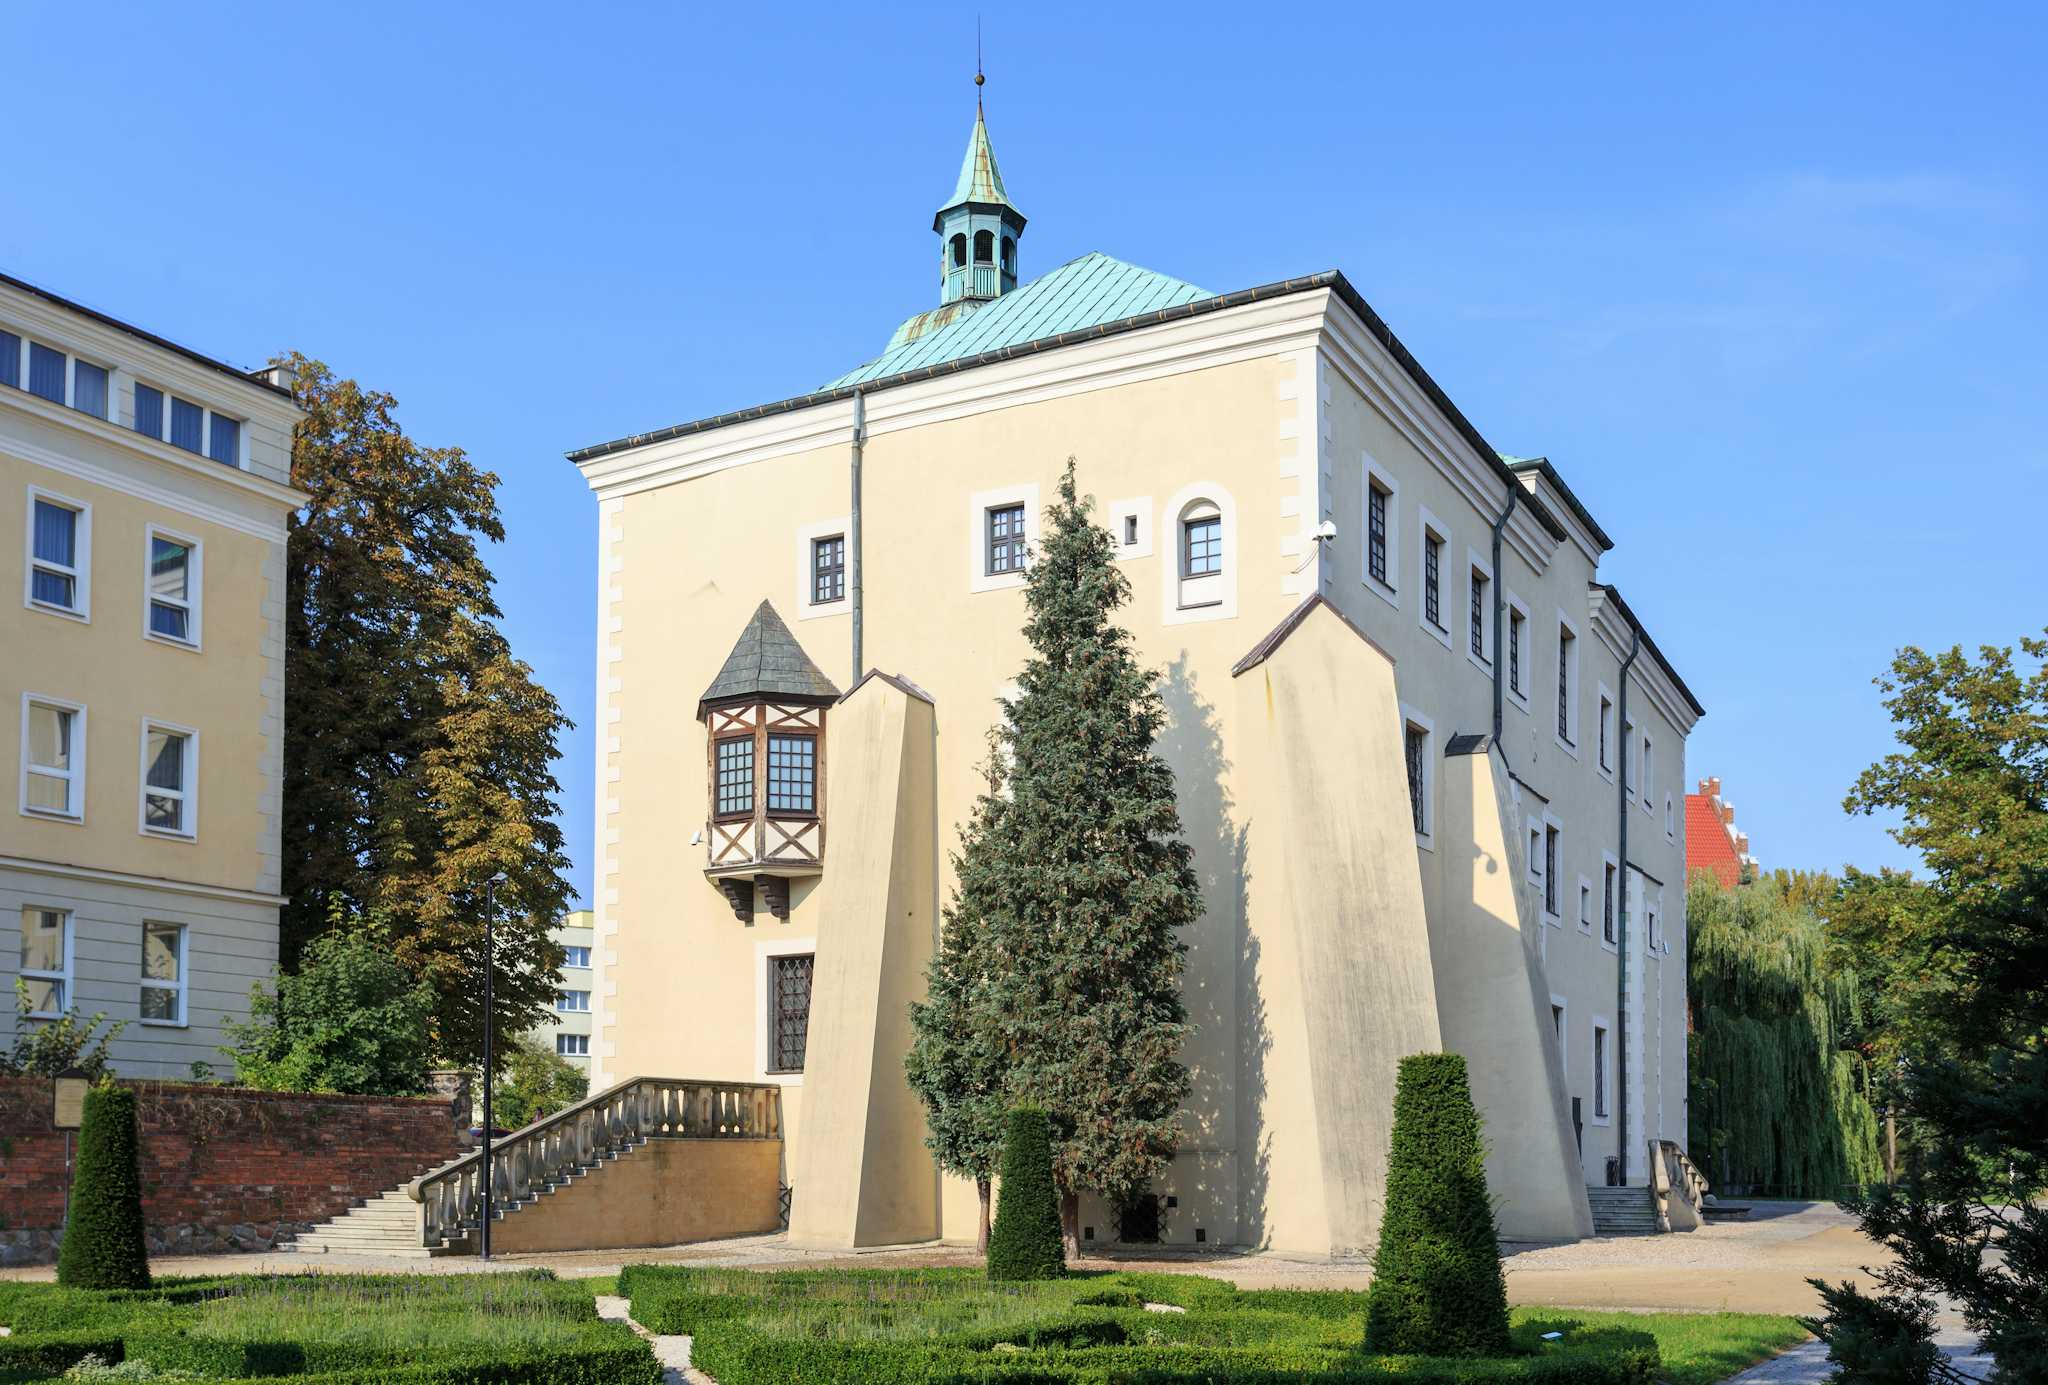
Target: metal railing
{"points": [[527, 1162]]}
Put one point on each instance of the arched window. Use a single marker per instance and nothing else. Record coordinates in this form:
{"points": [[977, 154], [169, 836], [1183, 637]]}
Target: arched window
{"points": [[1009, 256], [959, 251], [984, 247], [1201, 554]]}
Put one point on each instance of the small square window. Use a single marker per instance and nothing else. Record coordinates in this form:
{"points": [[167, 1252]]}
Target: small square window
{"points": [[1005, 539]]}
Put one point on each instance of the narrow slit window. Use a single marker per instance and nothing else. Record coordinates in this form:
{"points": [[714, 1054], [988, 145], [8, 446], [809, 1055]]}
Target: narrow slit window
{"points": [[1416, 747], [1480, 584], [1550, 871], [1376, 533], [1432, 579], [1566, 646], [1516, 623], [1600, 1071], [1607, 906]]}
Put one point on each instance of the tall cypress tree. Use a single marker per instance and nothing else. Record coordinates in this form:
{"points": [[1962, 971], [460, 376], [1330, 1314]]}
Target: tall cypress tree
{"points": [[957, 1064], [1088, 880]]}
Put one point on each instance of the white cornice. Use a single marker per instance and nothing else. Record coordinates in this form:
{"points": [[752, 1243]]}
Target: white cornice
{"points": [[1612, 629], [1535, 483], [140, 882], [207, 490], [1263, 328]]}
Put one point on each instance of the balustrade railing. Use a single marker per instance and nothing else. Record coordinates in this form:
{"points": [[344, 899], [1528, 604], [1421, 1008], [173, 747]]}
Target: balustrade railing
{"points": [[523, 1163]]}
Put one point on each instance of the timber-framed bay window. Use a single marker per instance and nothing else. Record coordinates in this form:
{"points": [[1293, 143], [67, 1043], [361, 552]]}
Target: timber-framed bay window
{"points": [[765, 715]]}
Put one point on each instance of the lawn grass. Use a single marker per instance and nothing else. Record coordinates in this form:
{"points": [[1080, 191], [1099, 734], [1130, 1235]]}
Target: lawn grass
{"points": [[1697, 1348]]}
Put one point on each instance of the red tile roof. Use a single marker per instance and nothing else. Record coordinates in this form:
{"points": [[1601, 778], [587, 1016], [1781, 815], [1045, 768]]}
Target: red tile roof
{"points": [[1707, 844]]}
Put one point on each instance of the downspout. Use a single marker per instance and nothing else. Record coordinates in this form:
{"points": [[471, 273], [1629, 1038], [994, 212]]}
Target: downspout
{"points": [[1500, 607], [1635, 641], [853, 563]]}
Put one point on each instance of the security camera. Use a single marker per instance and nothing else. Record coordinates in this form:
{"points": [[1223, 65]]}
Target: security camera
{"points": [[1327, 531]]}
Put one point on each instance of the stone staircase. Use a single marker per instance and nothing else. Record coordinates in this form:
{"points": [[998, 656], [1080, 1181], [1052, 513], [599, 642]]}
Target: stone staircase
{"points": [[1623, 1211], [388, 1224]]}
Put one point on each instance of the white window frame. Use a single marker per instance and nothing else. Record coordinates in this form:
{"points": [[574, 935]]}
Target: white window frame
{"points": [[1224, 604], [195, 587], [569, 961], [1372, 472], [1517, 607], [979, 578], [1608, 858], [1601, 1070], [806, 536], [75, 793], [81, 571], [1589, 899], [1426, 838], [187, 795], [1134, 512], [763, 952], [1605, 732], [69, 944], [584, 1052], [241, 461], [1574, 691], [562, 992], [1547, 824], [1430, 527], [1476, 561], [181, 987]]}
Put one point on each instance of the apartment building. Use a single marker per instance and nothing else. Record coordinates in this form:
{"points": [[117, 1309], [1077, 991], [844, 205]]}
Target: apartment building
{"points": [[146, 489]]}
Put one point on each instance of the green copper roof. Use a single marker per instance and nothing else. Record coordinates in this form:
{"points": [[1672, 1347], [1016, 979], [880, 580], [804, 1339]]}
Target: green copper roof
{"points": [[1081, 293], [980, 179]]}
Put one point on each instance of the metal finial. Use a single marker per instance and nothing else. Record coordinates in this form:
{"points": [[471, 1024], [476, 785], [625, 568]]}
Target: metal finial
{"points": [[979, 80]]}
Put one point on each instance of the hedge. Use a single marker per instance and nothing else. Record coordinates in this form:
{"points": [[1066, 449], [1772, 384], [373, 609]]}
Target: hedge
{"points": [[104, 1245], [1027, 1241]]}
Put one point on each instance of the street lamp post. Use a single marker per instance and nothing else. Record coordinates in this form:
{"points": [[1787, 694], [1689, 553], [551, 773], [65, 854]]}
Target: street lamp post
{"points": [[490, 965]]}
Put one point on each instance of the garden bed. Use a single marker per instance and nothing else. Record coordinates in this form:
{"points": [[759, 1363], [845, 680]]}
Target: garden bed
{"points": [[947, 1325], [336, 1329]]}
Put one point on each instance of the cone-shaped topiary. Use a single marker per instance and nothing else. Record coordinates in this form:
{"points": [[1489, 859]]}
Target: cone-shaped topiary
{"points": [[1025, 1243], [104, 1246], [1437, 1287]]}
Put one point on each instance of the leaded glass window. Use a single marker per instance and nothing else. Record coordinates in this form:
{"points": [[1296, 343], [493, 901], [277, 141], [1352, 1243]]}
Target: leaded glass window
{"points": [[1479, 585], [1549, 870], [1432, 580], [789, 1019], [735, 776], [1416, 743], [1515, 624], [1376, 534], [1005, 539], [1564, 685], [792, 774], [828, 569], [1607, 906]]}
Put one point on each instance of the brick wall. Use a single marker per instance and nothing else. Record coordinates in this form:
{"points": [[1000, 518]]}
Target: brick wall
{"points": [[222, 1168]]}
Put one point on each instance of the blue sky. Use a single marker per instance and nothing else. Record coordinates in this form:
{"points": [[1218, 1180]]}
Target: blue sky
{"points": [[1767, 288]]}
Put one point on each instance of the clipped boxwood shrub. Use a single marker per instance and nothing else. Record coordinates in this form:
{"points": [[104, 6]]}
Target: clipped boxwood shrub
{"points": [[1026, 1241], [1437, 1287], [104, 1246]]}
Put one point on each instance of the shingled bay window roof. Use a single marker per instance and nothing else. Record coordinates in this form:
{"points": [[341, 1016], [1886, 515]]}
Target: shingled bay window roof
{"points": [[768, 664]]}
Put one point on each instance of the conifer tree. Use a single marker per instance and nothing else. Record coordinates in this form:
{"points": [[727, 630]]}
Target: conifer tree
{"points": [[956, 1064], [1088, 881], [104, 1243]]}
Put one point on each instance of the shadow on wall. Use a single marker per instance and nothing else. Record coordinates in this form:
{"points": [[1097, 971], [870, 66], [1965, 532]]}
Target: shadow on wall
{"points": [[1223, 995]]}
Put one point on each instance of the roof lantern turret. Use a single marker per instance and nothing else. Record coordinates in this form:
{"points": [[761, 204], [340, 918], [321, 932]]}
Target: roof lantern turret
{"points": [[979, 227]]}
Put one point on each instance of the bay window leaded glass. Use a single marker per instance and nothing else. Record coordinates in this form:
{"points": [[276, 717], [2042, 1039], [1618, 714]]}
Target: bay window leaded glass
{"points": [[735, 776], [1432, 579], [789, 1000], [1376, 533], [792, 774]]}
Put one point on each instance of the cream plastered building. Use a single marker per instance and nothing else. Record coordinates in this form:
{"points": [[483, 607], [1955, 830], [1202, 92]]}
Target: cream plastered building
{"points": [[567, 1032], [144, 493], [1410, 723]]}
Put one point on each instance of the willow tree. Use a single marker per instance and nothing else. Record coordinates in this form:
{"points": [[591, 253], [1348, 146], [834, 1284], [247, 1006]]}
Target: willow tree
{"points": [[1779, 1098]]}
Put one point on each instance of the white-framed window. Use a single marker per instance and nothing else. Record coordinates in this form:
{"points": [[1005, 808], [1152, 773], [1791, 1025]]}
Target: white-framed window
{"points": [[46, 960], [57, 555], [1601, 1080], [828, 569], [823, 572], [89, 387], [48, 372], [1585, 905], [166, 416], [10, 359], [52, 757], [1433, 575], [1003, 535], [1479, 611], [1130, 527], [163, 973], [1603, 756], [782, 980], [1380, 524], [1199, 579], [572, 1045], [1567, 685], [572, 1002], [1519, 653], [575, 956], [1550, 841], [173, 585], [169, 805], [1418, 750]]}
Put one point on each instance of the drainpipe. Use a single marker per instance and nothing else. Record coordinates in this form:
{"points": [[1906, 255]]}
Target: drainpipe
{"points": [[1635, 641], [853, 563], [1500, 617]]}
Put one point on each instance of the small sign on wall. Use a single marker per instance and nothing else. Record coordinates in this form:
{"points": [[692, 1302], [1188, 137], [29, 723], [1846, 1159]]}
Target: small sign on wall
{"points": [[70, 1102]]}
